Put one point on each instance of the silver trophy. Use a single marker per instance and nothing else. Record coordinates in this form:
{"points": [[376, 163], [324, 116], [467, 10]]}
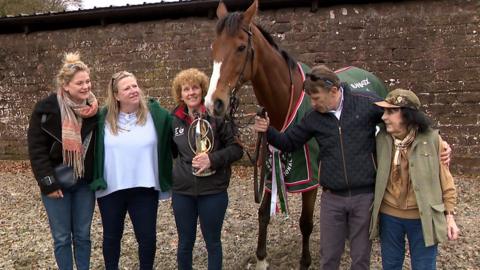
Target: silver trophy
{"points": [[204, 141]]}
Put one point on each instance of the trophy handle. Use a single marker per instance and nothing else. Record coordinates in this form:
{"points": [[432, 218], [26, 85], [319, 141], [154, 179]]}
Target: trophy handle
{"points": [[201, 130]]}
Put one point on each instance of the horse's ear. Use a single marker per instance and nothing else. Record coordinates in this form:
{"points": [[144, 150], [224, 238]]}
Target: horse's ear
{"points": [[221, 10], [250, 12]]}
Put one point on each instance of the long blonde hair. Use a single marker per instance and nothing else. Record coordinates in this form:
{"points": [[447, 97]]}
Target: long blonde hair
{"points": [[113, 105]]}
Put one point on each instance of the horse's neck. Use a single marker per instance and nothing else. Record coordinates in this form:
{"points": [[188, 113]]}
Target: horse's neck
{"points": [[272, 82], [272, 86]]}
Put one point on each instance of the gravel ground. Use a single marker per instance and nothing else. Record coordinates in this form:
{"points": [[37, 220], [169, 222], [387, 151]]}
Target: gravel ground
{"points": [[25, 241]]}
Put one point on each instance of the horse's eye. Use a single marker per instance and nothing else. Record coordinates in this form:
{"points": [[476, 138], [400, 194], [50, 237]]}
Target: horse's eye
{"points": [[241, 48]]}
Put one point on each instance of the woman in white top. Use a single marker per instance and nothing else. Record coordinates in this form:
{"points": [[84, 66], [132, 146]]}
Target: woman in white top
{"points": [[133, 163]]}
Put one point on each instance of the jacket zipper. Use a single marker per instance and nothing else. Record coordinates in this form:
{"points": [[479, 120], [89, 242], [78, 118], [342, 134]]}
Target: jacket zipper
{"points": [[343, 159], [195, 178]]}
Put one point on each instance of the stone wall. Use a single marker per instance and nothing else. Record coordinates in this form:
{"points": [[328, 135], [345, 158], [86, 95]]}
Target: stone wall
{"points": [[431, 47]]}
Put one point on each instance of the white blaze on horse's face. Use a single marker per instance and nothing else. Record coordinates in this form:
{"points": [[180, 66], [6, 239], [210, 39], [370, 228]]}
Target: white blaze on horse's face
{"points": [[213, 86]]}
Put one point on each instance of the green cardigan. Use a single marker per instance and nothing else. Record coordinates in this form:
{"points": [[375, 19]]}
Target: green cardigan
{"points": [[424, 171], [162, 120]]}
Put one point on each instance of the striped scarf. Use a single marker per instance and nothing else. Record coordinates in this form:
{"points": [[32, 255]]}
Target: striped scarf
{"points": [[72, 116]]}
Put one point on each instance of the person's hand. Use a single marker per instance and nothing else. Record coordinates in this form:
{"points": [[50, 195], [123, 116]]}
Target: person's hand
{"points": [[57, 194], [201, 162], [261, 124], [445, 155], [452, 229]]}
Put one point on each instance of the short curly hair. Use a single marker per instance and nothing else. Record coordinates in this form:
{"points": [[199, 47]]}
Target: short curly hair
{"points": [[189, 76]]}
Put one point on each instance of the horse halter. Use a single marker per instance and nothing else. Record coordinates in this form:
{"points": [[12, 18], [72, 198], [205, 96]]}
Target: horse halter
{"points": [[234, 101]]}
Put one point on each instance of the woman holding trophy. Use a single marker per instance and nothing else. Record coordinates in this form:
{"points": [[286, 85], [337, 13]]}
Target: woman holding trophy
{"points": [[205, 148]]}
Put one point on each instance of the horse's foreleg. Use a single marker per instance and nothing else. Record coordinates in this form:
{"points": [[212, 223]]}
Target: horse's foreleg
{"points": [[306, 226], [263, 220]]}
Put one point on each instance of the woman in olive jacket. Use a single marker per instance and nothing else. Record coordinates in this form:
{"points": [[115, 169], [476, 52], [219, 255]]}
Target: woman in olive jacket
{"points": [[415, 194], [61, 130], [204, 196]]}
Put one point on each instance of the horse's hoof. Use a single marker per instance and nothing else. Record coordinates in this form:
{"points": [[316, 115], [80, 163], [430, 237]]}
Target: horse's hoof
{"points": [[261, 265]]}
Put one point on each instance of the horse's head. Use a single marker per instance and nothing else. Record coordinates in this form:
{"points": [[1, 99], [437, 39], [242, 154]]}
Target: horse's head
{"points": [[233, 59]]}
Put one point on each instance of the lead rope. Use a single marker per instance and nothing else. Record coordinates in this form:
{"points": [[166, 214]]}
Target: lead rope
{"points": [[260, 156]]}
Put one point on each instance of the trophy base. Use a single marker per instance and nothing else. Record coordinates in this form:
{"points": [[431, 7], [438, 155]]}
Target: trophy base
{"points": [[205, 173]]}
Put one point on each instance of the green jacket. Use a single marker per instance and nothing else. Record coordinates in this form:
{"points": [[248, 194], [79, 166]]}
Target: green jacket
{"points": [[424, 171], [163, 125]]}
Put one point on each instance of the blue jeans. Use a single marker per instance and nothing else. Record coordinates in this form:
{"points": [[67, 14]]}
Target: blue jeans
{"points": [[70, 219], [392, 242], [141, 205], [211, 211]]}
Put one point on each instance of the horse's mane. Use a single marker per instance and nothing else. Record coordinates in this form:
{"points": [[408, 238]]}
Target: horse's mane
{"points": [[232, 24]]}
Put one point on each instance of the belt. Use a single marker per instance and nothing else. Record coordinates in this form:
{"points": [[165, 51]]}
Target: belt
{"points": [[349, 192]]}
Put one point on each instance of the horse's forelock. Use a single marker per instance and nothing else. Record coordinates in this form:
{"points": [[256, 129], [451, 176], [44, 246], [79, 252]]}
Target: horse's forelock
{"points": [[230, 23]]}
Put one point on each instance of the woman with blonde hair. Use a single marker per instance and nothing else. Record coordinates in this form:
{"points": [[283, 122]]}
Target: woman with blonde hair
{"points": [[197, 195], [133, 163], [62, 131]]}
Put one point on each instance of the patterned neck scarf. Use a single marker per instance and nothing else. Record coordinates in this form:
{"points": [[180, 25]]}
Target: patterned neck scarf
{"points": [[402, 145], [400, 156], [72, 116]]}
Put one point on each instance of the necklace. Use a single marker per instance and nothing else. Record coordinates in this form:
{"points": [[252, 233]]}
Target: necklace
{"points": [[126, 121]]}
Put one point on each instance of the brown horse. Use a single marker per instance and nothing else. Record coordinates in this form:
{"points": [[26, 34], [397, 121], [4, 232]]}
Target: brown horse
{"points": [[243, 52]]}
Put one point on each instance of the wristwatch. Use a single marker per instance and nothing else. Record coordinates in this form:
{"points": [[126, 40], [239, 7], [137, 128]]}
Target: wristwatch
{"points": [[449, 213], [47, 180]]}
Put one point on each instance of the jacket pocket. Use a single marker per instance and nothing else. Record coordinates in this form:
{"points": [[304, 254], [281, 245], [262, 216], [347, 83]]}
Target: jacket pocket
{"points": [[56, 151], [439, 222], [438, 208]]}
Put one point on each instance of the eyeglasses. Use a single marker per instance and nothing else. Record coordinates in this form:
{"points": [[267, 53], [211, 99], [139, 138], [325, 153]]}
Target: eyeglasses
{"points": [[74, 66], [315, 78]]}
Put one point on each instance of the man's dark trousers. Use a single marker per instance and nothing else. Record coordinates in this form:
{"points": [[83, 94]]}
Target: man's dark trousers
{"points": [[343, 217]]}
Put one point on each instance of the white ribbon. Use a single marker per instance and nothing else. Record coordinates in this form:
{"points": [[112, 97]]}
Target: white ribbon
{"points": [[278, 184]]}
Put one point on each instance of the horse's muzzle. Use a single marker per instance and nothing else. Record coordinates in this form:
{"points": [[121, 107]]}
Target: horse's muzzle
{"points": [[218, 107]]}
